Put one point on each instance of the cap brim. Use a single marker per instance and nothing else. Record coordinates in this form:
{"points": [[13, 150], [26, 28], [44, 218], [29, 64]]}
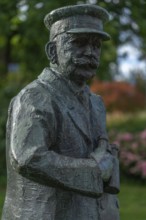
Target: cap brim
{"points": [[104, 36]]}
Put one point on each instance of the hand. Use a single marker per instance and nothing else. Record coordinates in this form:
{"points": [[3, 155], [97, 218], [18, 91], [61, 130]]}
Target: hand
{"points": [[105, 164]]}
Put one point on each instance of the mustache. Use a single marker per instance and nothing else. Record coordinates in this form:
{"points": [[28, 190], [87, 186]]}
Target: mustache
{"points": [[91, 61]]}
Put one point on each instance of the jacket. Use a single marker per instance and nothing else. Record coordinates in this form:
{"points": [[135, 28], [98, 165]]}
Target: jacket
{"points": [[51, 131]]}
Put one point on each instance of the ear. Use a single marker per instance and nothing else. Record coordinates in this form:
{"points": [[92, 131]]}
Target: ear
{"points": [[50, 50]]}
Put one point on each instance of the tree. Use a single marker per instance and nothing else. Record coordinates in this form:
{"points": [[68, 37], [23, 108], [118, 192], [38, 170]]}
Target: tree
{"points": [[24, 34]]}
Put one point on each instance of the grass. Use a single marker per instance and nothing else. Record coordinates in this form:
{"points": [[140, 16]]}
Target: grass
{"points": [[129, 122], [132, 201]]}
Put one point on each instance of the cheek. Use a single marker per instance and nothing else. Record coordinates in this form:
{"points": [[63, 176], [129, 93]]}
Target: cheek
{"points": [[98, 52], [64, 58]]}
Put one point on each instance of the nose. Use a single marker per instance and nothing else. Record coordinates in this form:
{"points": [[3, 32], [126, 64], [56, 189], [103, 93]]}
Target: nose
{"points": [[88, 50]]}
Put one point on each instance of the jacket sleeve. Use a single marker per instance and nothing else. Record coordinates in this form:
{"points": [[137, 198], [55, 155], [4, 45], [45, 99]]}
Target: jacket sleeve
{"points": [[32, 133], [102, 120]]}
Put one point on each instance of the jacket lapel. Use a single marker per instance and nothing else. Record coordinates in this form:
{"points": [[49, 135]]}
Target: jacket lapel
{"points": [[78, 115], [80, 120]]}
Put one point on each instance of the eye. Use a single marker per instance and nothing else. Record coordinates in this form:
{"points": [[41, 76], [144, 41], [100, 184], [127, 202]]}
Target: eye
{"points": [[97, 43], [80, 42]]}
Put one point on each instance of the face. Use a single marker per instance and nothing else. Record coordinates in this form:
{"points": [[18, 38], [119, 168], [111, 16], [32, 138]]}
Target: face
{"points": [[78, 55]]}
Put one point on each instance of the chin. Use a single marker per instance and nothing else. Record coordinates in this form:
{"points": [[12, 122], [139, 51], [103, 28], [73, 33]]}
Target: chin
{"points": [[86, 74], [80, 77]]}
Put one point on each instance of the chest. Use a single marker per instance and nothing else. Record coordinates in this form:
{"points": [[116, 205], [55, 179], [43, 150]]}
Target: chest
{"points": [[77, 128]]}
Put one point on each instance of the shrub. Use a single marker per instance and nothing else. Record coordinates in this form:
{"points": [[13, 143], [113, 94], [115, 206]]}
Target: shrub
{"points": [[132, 152], [119, 96]]}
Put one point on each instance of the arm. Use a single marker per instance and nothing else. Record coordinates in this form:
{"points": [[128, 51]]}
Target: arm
{"points": [[104, 156], [32, 134], [101, 153], [104, 159]]}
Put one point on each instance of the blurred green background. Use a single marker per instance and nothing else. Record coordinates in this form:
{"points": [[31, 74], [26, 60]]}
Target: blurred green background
{"points": [[120, 80]]}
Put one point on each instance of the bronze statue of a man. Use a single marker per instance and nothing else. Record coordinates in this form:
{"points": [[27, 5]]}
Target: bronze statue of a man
{"points": [[59, 162]]}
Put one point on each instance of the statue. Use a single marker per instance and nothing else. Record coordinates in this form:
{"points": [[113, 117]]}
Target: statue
{"points": [[60, 165]]}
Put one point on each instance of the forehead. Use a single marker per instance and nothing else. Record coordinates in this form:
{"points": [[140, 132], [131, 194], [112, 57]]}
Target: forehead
{"points": [[78, 36]]}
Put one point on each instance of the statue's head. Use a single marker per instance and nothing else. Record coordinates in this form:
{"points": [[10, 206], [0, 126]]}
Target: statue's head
{"points": [[76, 35]]}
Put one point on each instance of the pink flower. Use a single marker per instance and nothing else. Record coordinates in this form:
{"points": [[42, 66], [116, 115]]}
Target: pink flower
{"points": [[127, 158], [142, 167], [132, 152], [134, 146], [139, 168], [125, 137], [143, 134], [116, 142]]}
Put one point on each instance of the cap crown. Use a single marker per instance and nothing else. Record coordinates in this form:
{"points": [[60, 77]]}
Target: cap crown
{"points": [[85, 18]]}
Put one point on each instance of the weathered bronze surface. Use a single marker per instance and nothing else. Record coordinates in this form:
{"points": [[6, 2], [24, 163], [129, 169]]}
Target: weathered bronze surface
{"points": [[60, 165]]}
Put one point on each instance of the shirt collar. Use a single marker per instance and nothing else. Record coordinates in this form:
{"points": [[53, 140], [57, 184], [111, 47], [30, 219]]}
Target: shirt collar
{"points": [[75, 89]]}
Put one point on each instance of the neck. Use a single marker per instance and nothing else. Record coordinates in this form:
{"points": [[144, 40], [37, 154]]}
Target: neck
{"points": [[78, 83]]}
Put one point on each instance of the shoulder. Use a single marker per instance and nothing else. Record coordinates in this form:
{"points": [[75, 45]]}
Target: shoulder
{"points": [[34, 96], [39, 90], [97, 101]]}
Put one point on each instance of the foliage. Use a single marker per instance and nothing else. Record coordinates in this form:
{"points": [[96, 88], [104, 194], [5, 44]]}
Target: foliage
{"points": [[119, 96], [8, 89], [129, 122], [138, 77], [2, 195], [23, 34], [127, 27]]}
